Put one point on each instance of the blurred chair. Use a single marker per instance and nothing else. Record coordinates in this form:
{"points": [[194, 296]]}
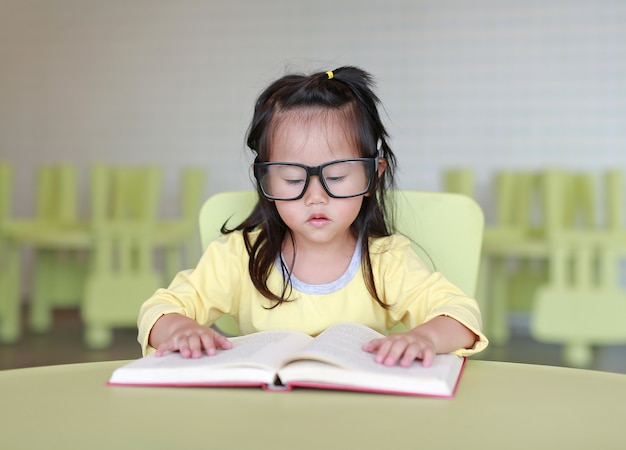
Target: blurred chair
{"points": [[10, 302], [447, 229], [582, 304], [54, 234], [529, 207], [79, 261], [179, 237], [59, 240], [121, 273], [507, 235]]}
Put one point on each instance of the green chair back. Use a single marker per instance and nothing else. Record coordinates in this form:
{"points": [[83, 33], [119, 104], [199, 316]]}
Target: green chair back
{"points": [[57, 195], [614, 184], [446, 228]]}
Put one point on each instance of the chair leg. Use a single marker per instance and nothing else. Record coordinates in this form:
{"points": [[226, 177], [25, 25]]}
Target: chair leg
{"points": [[499, 326], [10, 302], [578, 354], [98, 336], [40, 314], [58, 282]]}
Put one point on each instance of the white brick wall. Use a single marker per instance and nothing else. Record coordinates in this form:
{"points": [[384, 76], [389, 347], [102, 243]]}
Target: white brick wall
{"points": [[485, 83]]}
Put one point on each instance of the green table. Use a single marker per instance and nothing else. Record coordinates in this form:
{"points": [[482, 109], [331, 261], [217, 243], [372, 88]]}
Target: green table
{"points": [[497, 406]]}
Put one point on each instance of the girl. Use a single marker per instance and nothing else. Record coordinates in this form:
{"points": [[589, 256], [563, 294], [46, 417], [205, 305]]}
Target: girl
{"points": [[318, 248]]}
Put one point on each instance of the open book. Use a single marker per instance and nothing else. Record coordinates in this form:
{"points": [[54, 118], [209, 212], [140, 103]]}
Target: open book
{"points": [[285, 359]]}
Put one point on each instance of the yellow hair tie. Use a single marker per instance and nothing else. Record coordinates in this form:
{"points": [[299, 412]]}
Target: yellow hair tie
{"points": [[330, 74]]}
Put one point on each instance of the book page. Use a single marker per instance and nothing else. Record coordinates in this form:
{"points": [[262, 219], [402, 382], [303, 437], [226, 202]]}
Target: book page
{"points": [[335, 358], [341, 345], [438, 380], [249, 357], [267, 348]]}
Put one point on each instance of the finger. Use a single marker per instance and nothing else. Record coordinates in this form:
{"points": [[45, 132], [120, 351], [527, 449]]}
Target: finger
{"points": [[195, 345], [222, 342], [168, 346], [427, 357], [383, 351], [208, 343], [411, 353], [182, 345], [372, 345], [395, 352], [161, 349]]}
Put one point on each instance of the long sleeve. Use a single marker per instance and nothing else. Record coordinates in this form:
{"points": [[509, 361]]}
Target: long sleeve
{"points": [[416, 294]]}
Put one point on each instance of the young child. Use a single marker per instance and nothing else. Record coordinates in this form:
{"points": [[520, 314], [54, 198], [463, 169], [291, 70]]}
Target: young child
{"points": [[318, 248]]}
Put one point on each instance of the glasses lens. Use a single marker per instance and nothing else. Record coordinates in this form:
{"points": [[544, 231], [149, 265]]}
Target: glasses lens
{"points": [[282, 181], [347, 178]]}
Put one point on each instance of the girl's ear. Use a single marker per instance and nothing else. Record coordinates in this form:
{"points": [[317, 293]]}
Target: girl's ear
{"points": [[382, 165]]}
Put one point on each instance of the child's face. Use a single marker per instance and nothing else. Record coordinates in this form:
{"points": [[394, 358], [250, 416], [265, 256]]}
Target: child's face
{"points": [[313, 139]]}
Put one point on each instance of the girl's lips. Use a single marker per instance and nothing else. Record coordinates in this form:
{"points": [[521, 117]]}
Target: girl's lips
{"points": [[318, 220]]}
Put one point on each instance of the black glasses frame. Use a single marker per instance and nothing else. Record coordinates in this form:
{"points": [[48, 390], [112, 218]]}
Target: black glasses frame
{"points": [[311, 171]]}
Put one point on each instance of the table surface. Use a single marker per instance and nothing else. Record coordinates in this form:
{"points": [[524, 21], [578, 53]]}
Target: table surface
{"points": [[497, 405]]}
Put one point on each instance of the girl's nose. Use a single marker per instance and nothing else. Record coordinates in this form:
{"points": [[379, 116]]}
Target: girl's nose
{"points": [[315, 192]]}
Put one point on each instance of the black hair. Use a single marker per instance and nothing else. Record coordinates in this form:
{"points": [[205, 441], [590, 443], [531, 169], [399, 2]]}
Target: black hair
{"points": [[347, 90]]}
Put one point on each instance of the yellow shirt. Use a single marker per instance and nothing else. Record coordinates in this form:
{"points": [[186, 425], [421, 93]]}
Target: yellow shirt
{"points": [[220, 284]]}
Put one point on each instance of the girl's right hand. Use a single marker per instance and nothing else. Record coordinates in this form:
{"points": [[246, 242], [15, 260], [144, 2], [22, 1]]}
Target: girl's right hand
{"points": [[174, 332]]}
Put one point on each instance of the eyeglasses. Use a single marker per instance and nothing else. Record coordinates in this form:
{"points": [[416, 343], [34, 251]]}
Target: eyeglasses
{"points": [[343, 178]]}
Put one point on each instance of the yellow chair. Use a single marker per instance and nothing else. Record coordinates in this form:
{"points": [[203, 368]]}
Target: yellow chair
{"points": [[582, 304], [447, 229], [121, 273], [72, 255], [55, 235], [511, 229], [530, 207], [59, 239]]}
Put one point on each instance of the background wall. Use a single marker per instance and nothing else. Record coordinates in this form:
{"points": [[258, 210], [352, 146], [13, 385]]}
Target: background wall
{"points": [[488, 84]]}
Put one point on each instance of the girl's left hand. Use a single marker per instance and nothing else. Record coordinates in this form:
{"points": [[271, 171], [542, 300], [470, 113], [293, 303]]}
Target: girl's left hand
{"points": [[402, 349], [441, 334]]}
